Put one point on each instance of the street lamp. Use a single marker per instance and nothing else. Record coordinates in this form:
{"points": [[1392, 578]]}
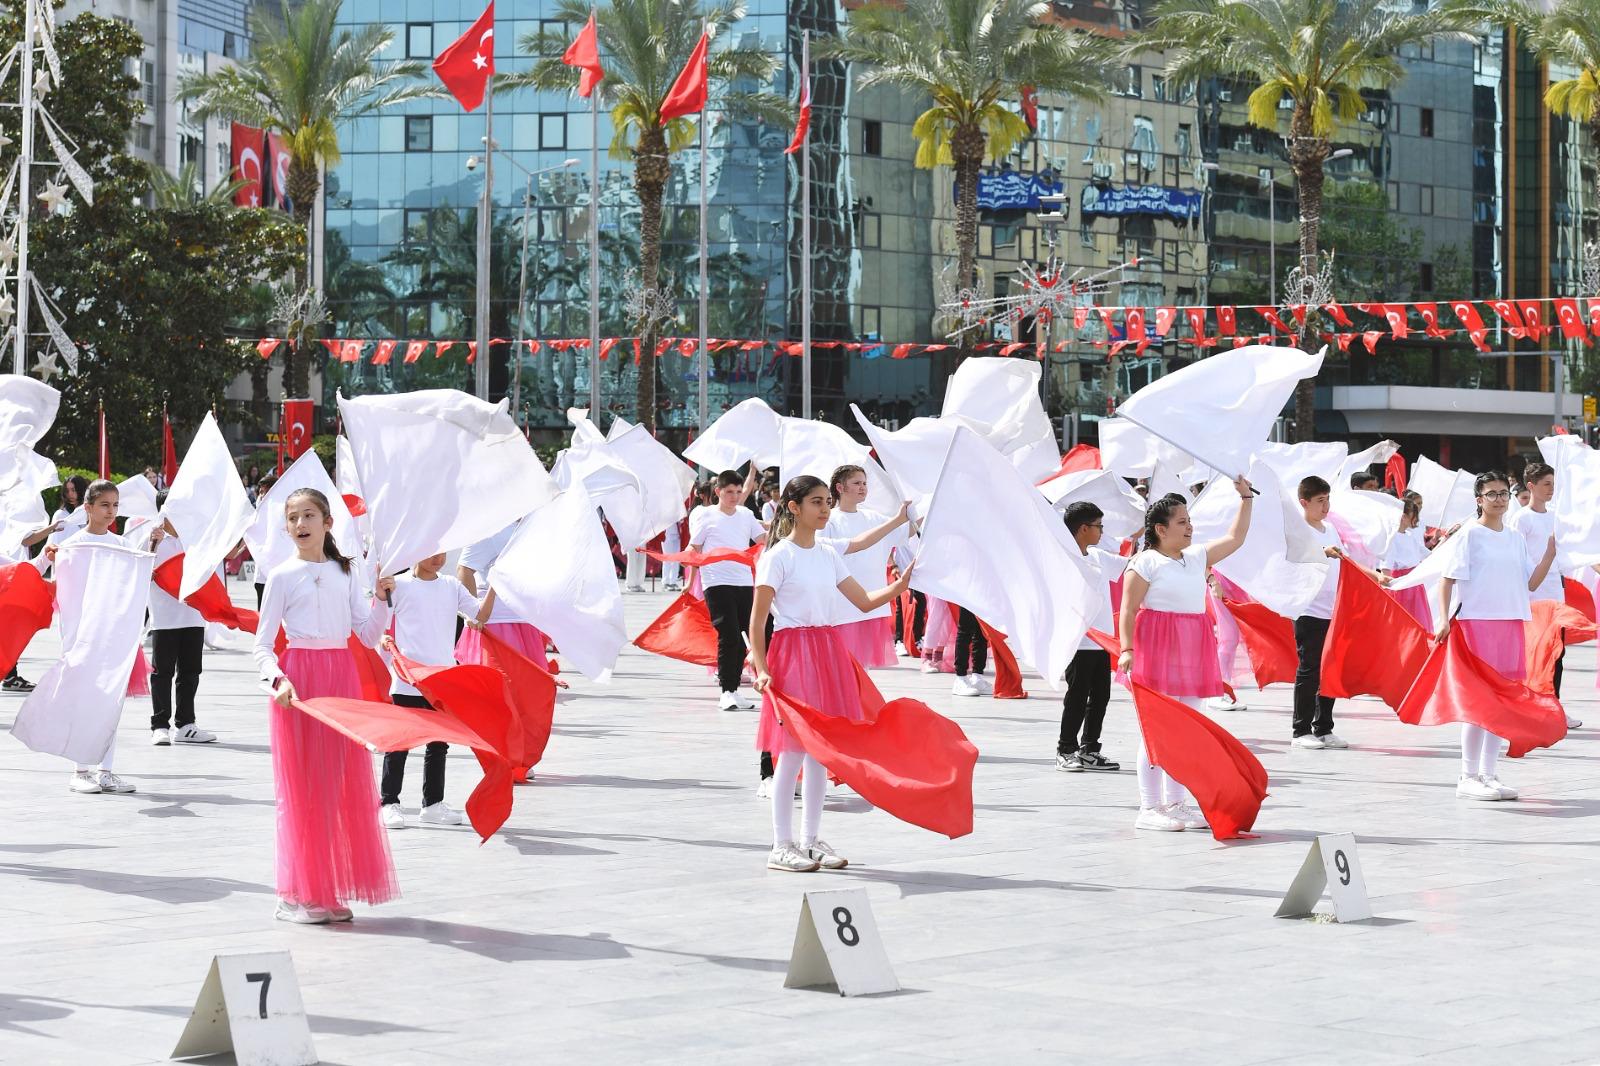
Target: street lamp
{"points": [[522, 284]]}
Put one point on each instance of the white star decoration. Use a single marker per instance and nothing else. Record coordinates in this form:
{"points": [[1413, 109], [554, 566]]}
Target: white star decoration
{"points": [[5, 142], [41, 84], [47, 365], [479, 61], [53, 196], [6, 308], [8, 253]]}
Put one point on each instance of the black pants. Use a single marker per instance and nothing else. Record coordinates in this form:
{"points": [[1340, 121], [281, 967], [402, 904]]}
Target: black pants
{"points": [[175, 651], [729, 607], [971, 644], [394, 763], [1313, 712], [261, 590], [1559, 659], [919, 615], [1084, 706]]}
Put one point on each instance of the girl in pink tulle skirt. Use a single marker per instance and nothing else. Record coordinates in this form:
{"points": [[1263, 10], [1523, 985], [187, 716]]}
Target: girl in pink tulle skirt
{"points": [[331, 848], [799, 578], [1404, 552], [1169, 643], [870, 639]]}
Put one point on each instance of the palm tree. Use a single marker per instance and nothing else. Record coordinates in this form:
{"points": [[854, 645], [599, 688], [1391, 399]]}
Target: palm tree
{"points": [[1318, 54], [971, 57], [644, 44], [303, 79], [187, 188]]}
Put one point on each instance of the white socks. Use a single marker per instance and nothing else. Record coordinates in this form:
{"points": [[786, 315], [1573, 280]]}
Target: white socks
{"points": [[1480, 751], [813, 790]]}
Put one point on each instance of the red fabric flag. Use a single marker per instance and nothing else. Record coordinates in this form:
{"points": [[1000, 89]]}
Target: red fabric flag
{"points": [[1133, 327], [1395, 315], [27, 601], [1299, 313], [370, 670], [1429, 314], [1029, 102], [1571, 320], [105, 449], [1080, 317], [689, 91], [1533, 318], [1454, 685], [1337, 313], [1007, 675], [467, 65], [1371, 338], [802, 124], [584, 53], [691, 557], [1374, 646], [385, 349], [1394, 474], [1513, 320], [1226, 780], [683, 632], [1553, 626], [1080, 457], [169, 453], [355, 504], [245, 145], [350, 351], [1344, 340], [904, 758], [1268, 640], [298, 419], [275, 181], [900, 351], [1270, 316], [267, 345], [1578, 598], [1594, 317], [1469, 318], [1227, 321], [1012, 349], [1165, 316], [440, 347], [472, 352], [210, 599]]}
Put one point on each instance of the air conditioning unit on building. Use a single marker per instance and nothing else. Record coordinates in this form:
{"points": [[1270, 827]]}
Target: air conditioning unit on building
{"points": [[1101, 172]]}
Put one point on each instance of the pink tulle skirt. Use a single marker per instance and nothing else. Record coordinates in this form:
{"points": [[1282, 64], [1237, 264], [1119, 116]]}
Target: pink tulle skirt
{"points": [[520, 635], [139, 681], [870, 641], [811, 665], [331, 849], [1176, 654], [1499, 642], [940, 629], [1414, 600]]}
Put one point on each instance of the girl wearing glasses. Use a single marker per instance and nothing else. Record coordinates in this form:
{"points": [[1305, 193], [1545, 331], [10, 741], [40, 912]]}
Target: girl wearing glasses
{"points": [[1487, 584]]}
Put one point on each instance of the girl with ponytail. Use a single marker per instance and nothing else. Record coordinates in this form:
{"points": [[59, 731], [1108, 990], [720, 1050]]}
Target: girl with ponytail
{"points": [[331, 849], [870, 638]]}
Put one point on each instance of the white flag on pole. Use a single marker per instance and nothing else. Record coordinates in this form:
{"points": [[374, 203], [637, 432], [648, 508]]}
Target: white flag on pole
{"points": [[207, 505]]}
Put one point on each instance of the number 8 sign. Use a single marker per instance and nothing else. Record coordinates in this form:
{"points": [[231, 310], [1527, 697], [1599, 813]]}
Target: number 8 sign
{"points": [[837, 946]]}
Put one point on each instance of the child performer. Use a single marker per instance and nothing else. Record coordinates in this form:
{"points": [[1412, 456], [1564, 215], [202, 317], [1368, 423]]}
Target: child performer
{"points": [[178, 637], [473, 571], [1402, 555], [1489, 580], [1313, 712], [972, 657], [1536, 524], [871, 639], [330, 847], [1167, 641], [798, 578], [1083, 709], [728, 588], [425, 609]]}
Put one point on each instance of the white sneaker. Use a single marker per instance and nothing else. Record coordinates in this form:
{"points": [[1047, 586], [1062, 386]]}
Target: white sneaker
{"points": [[301, 915], [1306, 740], [1223, 703], [929, 666], [1158, 820], [1333, 740], [191, 734], [440, 813], [963, 686], [727, 702], [161, 738], [825, 856], [86, 782], [392, 816], [635, 588], [981, 683], [790, 859], [110, 782], [1506, 791], [746, 700], [900, 649], [1574, 723], [340, 914], [1473, 788], [1189, 816], [764, 790]]}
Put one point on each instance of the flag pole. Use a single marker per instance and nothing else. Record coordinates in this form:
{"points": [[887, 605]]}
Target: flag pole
{"points": [[705, 356], [481, 364], [25, 183], [594, 250], [805, 237]]}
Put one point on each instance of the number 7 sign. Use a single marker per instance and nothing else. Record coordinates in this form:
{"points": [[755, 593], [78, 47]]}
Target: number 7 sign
{"points": [[1332, 864], [250, 1005]]}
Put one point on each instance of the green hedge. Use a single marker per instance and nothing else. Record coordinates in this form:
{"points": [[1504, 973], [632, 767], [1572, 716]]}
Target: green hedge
{"points": [[52, 497]]}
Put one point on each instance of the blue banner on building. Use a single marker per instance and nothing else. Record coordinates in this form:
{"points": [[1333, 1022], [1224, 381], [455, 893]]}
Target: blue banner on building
{"points": [[1174, 204], [1012, 190]]}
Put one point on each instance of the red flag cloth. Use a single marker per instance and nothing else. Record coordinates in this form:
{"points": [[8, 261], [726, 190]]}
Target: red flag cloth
{"points": [[584, 53], [1007, 675], [355, 504], [1429, 312], [298, 417], [385, 350], [245, 163], [1337, 313], [1533, 318], [1395, 315], [908, 618], [371, 671], [1374, 646], [1078, 457], [1227, 321], [802, 124], [1578, 598], [1455, 685], [472, 352], [1553, 626], [689, 91], [1571, 320], [389, 727], [211, 599], [721, 555], [415, 350], [903, 757], [169, 453], [1226, 780], [267, 345], [1394, 473], [1268, 640], [1029, 103], [105, 449], [1270, 316], [683, 632], [27, 601], [1165, 316], [467, 65], [1513, 320], [350, 351]]}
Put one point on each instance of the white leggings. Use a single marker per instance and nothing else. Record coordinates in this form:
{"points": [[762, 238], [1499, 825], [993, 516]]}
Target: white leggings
{"points": [[105, 763], [815, 788], [1157, 787], [1480, 751]]}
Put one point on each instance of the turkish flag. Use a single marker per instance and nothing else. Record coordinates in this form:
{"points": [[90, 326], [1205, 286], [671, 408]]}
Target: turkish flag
{"points": [[1578, 598], [903, 757], [1197, 324], [1337, 313], [1594, 317], [1165, 316], [1227, 321], [1395, 315], [1430, 320], [169, 453], [1133, 327], [584, 53], [1553, 626], [1007, 676], [1469, 318], [415, 350], [1344, 340], [467, 65], [1268, 640], [802, 124], [688, 93], [1374, 646], [1533, 318], [275, 179], [350, 351], [266, 346], [385, 350], [27, 601], [1371, 338], [1454, 685], [298, 419], [1571, 320], [1029, 103], [683, 632], [1270, 316], [211, 599], [245, 164], [1508, 312]]}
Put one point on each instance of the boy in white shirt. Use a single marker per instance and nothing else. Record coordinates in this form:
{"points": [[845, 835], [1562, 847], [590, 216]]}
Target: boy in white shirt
{"points": [[729, 587], [1313, 712], [1083, 709]]}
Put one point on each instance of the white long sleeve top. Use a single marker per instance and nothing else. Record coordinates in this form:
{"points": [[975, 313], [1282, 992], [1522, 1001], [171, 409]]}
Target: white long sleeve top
{"points": [[319, 606]]}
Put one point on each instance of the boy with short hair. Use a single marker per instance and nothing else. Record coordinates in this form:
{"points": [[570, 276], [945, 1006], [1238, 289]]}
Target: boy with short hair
{"points": [[1083, 709], [1313, 712]]}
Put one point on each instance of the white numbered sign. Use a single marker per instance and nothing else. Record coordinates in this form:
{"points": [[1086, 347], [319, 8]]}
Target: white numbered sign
{"points": [[1332, 864], [250, 1005], [837, 945]]}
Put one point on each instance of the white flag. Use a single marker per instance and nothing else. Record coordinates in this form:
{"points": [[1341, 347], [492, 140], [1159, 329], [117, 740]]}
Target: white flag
{"points": [[912, 455], [820, 448], [998, 398], [1122, 507], [665, 481], [1446, 494], [207, 505], [1284, 574], [1577, 468], [268, 535], [748, 431]]}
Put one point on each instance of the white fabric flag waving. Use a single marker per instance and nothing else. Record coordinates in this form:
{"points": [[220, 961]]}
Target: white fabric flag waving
{"points": [[820, 448], [439, 470], [268, 536], [1278, 563], [664, 480], [207, 505], [557, 568], [27, 410], [998, 397], [1221, 409], [748, 430], [1577, 468], [1446, 494], [101, 592], [1122, 508], [992, 544], [912, 455]]}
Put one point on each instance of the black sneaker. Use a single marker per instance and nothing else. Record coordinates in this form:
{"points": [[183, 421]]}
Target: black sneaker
{"points": [[1069, 763], [16, 683], [1093, 760]]}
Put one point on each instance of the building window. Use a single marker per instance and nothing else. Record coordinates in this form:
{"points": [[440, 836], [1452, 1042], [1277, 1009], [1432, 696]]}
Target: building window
{"points": [[1130, 82], [419, 40], [1185, 139], [419, 133], [871, 323], [1086, 233], [986, 241], [1427, 122], [871, 137], [147, 75], [223, 160], [417, 225], [1394, 196], [1028, 245], [871, 230], [1425, 277], [230, 46], [551, 33], [143, 135], [1427, 199], [553, 131], [1158, 87], [189, 149]]}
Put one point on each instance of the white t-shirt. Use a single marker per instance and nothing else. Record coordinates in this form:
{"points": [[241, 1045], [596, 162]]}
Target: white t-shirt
{"points": [[479, 558], [425, 621], [1491, 570], [1405, 550], [1322, 606], [1176, 585], [319, 606], [805, 583], [710, 530], [769, 510], [1109, 567], [166, 611], [1536, 528], [870, 567]]}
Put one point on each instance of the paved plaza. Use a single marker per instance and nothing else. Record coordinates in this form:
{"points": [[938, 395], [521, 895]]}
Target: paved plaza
{"points": [[624, 914]]}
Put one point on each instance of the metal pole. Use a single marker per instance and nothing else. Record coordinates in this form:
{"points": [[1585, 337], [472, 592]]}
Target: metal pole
{"points": [[1557, 382], [25, 184], [705, 356], [485, 229], [594, 255], [1272, 231], [805, 238], [522, 307]]}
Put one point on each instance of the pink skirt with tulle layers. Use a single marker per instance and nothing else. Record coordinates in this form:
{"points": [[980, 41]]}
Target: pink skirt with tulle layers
{"points": [[870, 641], [1176, 654], [520, 635], [1499, 642], [1414, 600], [812, 666]]}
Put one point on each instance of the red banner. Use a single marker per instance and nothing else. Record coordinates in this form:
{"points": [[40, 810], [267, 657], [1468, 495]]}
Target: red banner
{"points": [[245, 164], [299, 417]]}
